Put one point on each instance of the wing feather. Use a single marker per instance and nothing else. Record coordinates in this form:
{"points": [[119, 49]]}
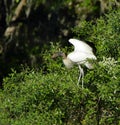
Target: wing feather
{"points": [[80, 57], [81, 46]]}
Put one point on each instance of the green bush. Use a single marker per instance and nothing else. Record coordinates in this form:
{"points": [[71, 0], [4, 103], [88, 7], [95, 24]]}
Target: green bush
{"points": [[52, 97]]}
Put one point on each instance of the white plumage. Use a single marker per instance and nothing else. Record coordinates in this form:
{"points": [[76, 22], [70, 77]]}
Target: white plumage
{"points": [[80, 46], [82, 52]]}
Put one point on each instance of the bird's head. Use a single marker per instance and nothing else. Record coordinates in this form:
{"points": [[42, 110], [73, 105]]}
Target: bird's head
{"points": [[57, 54]]}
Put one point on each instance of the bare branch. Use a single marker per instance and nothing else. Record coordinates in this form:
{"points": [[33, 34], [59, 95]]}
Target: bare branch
{"points": [[11, 29]]}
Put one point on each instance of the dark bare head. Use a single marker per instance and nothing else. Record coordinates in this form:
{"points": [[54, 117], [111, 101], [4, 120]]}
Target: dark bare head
{"points": [[59, 54]]}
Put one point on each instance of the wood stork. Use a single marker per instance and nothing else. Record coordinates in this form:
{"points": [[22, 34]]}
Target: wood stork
{"points": [[80, 56]]}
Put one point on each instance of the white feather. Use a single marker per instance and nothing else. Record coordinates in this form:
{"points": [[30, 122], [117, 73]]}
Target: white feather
{"points": [[80, 57], [81, 46]]}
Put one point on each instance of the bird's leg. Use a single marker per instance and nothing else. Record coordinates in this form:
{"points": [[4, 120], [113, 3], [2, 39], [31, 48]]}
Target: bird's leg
{"points": [[81, 75]]}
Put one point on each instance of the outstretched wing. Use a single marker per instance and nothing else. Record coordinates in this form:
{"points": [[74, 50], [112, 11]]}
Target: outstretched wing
{"points": [[81, 46]]}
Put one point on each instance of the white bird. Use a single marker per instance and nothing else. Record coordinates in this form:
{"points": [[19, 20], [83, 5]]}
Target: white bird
{"points": [[81, 54]]}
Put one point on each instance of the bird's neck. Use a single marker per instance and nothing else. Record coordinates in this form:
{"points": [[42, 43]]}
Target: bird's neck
{"points": [[63, 56], [68, 63]]}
